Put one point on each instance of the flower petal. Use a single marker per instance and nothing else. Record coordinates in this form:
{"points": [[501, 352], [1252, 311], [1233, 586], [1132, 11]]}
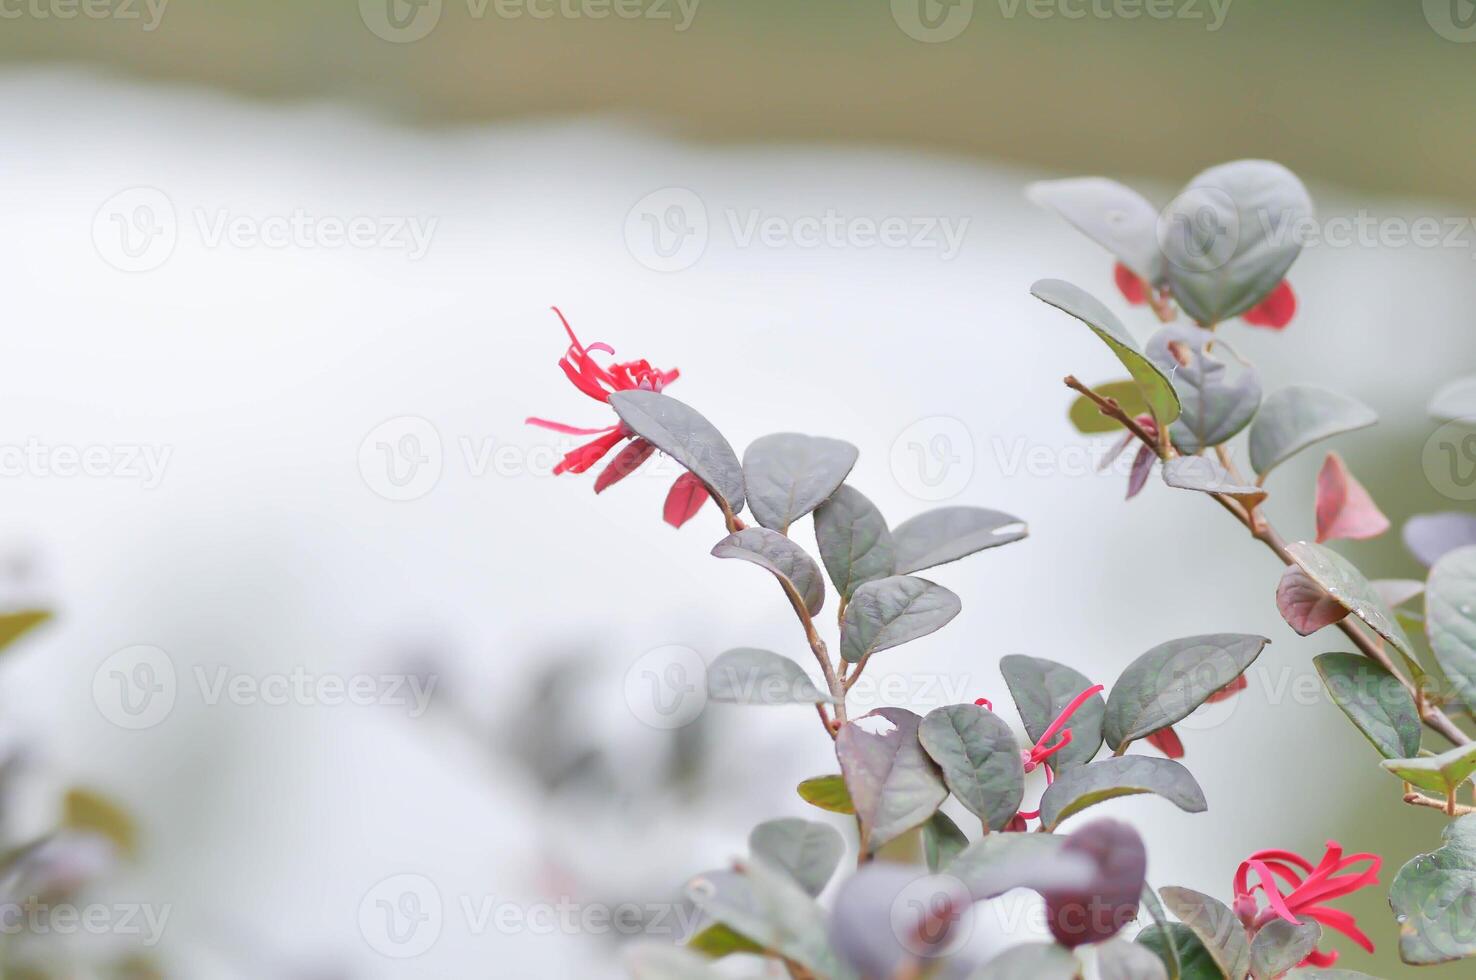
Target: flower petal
{"points": [[1132, 288], [588, 454], [624, 464], [684, 500], [1276, 310], [1166, 740]]}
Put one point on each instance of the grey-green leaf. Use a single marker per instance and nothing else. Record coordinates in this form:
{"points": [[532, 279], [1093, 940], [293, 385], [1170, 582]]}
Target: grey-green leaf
{"points": [[1280, 945], [1113, 215], [1207, 476], [1118, 959], [1442, 774], [1450, 618], [789, 563], [1456, 400], [1434, 899], [1215, 406], [1195, 962], [1157, 389], [750, 676], [893, 611], [1346, 584], [946, 534], [787, 475], [1076, 789], [1231, 235], [662, 961], [1215, 925], [894, 784], [682, 433], [1294, 418], [809, 852], [765, 905], [1168, 682], [980, 760], [1374, 700], [1041, 690], [1030, 961], [855, 543], [942, 841]]}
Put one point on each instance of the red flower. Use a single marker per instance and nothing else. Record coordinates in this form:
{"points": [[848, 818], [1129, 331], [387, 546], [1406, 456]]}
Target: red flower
{"points": [[1133, 289], [1044, 748], [1308, 888], [1167, 741], [1275, 311]]}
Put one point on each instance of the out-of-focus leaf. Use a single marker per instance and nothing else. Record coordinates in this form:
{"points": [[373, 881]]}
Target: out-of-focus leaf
{"points": [[892, 611], [789, 563], [1345, 511], [894, 784], [1429, 536], [1030, 961], [889, 917], [980, 760], [1441, 774], [1141, 469], [946, 534], [1088, 418], [1207, 476], [1159, 915], [1304, 605], [787, 475], [1340, 579], [1450, 618], [1041, 690], [660, 961], [1196, 963], [764, 904], [87, 810], [1456, 400], [1374, 700], [942, 841], [1215, 406], [1157, 390], [1434, 899], [854, 541], [1168, 682], [682, 433], [1076, 789], [1118, 959], [1077, 916], [1280, 945], [1215, 925], [1294, 418], [1111, 214], [14, 625], [809, 852], [1001, 862], [1231, 235], [1397, 591], [749, 676], [827, 793], [717, 940]]}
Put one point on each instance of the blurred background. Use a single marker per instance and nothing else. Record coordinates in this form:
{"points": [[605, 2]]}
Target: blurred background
{"points": [[367, 681]]}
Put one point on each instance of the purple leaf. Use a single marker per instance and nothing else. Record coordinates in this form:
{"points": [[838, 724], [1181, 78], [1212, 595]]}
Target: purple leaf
{"points": [[1428, 536], [1304, 605]]}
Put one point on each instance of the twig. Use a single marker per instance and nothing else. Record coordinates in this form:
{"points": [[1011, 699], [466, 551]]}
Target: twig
{"points": [[1447, 806]]}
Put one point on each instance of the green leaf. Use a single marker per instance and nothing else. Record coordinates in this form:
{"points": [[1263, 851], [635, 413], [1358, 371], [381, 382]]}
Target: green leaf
{"points": [[946, 534], [749, 676], [892, 611], [809, 852], [16, 624], [1374, 700], [1207, 476], [1216, 926], [854, 541], [1088, 419], [788, 475], [1231, 235], [662, 961], [1150, 901], [1346, 585], [1456, 400], [1157, 390], [1214, 405], [1042, 689], [894, 785], [980, 760], [942, 841], [1280, 945], [1312, 973], [827, 793], [1294, 418], [1030, 961], [682, 433], [764, 904], [1118, 959], [1434, 899], [717, 941], [86, 810], [1109, 213], [1076, 789], [795, 570], [1441, 774], [1196, 963], [1450, 618], [1168, 682]]}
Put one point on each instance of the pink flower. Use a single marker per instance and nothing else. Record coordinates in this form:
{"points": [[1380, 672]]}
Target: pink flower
{"points": [[1167, 741], [1044, 748], [1275, 311], [1306, 890]]}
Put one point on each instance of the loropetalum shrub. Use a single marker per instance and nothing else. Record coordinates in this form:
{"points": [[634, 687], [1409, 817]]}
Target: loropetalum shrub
{"points": [[1217, 256]]}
